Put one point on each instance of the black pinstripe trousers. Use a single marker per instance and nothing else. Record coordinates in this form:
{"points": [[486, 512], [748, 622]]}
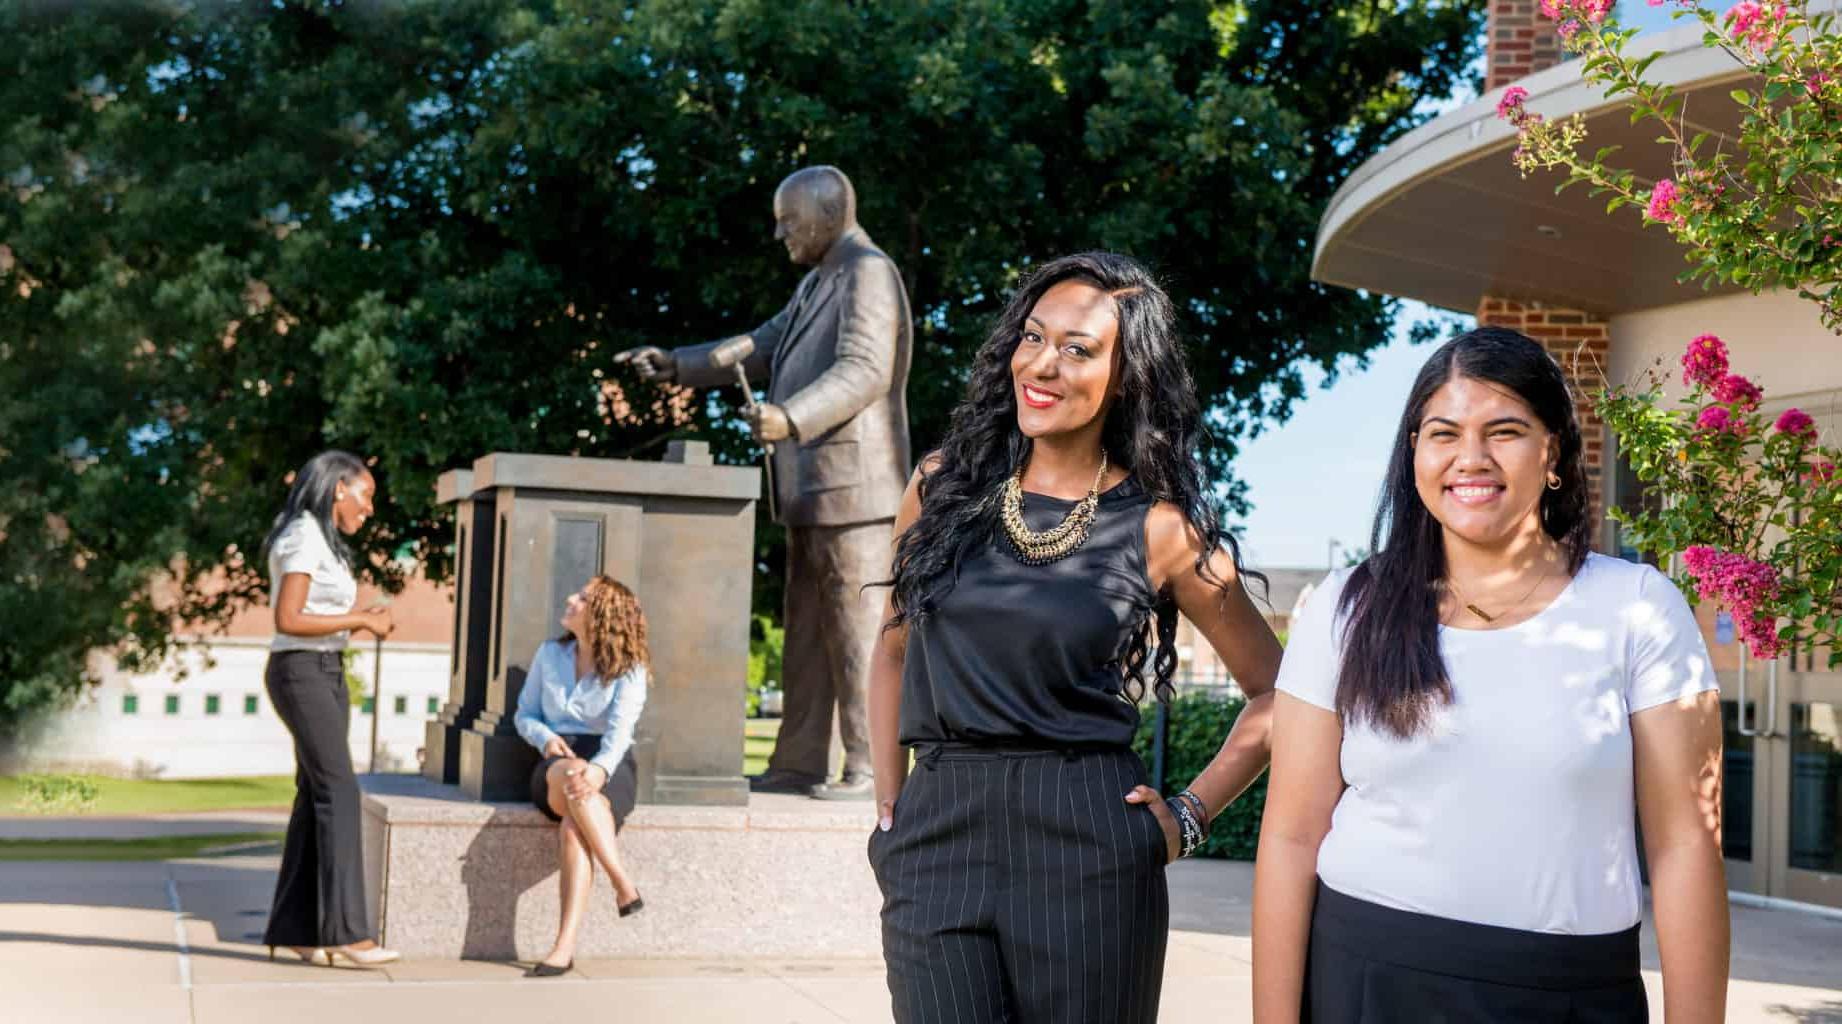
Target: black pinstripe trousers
{"points": [[1019, 886]]}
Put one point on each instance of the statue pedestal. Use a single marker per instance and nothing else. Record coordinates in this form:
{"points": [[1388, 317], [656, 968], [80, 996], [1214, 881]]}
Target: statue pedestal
{"points": [[531, 529], [780, 876]]}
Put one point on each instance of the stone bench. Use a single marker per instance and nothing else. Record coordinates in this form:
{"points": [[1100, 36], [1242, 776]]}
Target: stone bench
{"points": [[449, 877]]}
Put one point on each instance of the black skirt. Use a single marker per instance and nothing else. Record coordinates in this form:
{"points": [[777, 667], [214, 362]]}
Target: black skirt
{"points": [[1371, 964], [622, 788]]}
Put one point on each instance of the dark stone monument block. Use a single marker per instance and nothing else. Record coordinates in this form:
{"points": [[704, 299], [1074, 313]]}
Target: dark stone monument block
{"points": [[474, 521], [681, 534]]}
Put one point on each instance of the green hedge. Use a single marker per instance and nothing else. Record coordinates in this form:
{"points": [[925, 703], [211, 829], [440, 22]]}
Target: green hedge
{"points": [[1199, 723]]}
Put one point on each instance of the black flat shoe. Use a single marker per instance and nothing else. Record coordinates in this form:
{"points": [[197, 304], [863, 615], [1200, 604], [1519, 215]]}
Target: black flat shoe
{"points": [[635, 907], [544, 970]]}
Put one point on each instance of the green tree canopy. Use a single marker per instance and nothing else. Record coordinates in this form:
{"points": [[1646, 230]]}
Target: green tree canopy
{"points": [[232, 235]]}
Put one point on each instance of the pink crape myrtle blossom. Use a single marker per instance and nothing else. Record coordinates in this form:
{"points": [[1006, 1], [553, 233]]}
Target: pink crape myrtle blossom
{"points": [[1742, 586], [1796, 423], [1509, 108], [1749, 21], [1736, 390], [1821, 471], [1718, 419], [1705, 362], [1662, 208]]}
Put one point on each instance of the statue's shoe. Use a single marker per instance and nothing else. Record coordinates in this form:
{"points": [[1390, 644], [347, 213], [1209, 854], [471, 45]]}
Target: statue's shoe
{"points": [[776, 780], [853, 786]]}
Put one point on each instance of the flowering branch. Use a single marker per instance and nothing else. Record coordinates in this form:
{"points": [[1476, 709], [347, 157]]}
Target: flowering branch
{"points": [[1754, 511], [1767, 214]]}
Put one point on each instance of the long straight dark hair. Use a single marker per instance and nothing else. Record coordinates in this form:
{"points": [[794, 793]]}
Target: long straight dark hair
{"points": [[1154, 430], [313, 491], [1392, 674]]}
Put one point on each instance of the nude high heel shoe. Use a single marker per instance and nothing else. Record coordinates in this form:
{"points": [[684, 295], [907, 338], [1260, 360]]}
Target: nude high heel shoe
{"points": [[376, 956]]}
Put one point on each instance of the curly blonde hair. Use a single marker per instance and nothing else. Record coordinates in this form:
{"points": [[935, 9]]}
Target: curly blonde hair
{"points": [[616, 628]]}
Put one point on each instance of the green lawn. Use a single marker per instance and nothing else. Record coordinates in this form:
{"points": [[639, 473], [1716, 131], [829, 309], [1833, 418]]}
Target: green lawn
{"points": [[164, 796], [156, 848], [758, 735]]}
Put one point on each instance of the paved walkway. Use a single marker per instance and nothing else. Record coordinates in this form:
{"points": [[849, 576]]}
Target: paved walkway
{"points": [[176, 943]]}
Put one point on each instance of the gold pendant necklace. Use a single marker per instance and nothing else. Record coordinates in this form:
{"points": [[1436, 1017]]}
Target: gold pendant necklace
{"points": [[1486, 616], [1033, 548]]}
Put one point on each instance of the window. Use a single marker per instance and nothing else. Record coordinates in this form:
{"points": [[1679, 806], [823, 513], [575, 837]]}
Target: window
{"points": [[434, 705], [366, 707], [130, 704], [172, 704], [251, 704], [212, 703], [1633, 496], [402, 705]]}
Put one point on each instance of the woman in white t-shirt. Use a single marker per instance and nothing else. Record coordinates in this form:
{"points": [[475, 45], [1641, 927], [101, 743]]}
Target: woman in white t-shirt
{"points": [[1465, 725], [319, 907]]}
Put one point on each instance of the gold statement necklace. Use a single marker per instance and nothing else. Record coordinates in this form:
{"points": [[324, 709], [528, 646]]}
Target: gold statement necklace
{"points": [[1033, 548]]}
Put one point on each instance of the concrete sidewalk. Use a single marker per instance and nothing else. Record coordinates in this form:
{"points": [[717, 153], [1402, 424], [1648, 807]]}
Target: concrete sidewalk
{"points": [[176, 943]]}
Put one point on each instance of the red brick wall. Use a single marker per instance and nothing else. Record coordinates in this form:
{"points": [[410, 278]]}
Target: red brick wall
{"points": [[1519, 42], [1581, 343]]}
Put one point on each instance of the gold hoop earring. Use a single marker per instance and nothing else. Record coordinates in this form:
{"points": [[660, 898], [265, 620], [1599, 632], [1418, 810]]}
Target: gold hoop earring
{"points": [[1554, 482]]}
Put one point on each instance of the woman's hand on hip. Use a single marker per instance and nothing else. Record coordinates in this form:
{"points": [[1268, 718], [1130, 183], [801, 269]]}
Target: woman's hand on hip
{"points": [[1173, 838]]}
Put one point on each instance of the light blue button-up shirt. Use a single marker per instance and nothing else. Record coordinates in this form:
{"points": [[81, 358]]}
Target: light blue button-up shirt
{"points": [[555, 702]]}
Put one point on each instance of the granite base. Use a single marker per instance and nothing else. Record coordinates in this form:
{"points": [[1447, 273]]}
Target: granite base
{"points": [[450, 877]]}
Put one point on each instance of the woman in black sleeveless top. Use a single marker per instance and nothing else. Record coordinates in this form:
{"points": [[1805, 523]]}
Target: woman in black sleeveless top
{"points": [[1065, 516]]}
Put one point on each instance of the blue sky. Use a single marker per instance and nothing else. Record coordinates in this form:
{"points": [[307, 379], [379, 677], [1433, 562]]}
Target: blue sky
{"points": [[1314, 478]]}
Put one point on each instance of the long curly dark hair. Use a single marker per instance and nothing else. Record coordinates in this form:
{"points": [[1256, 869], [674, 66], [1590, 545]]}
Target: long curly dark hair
{"points": [[1154, 430], [1393, 676]]}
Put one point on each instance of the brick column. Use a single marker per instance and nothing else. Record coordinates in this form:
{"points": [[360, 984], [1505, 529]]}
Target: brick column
{"points": [[1581, 343], [1518, 42]]}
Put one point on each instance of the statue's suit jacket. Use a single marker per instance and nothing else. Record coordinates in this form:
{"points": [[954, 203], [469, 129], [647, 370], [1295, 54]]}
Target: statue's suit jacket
{"points": [[836, 359]]}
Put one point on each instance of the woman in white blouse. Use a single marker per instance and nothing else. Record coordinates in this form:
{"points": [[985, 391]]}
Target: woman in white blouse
{"points": [[580, 703], [319, 907], [1466, 723]]}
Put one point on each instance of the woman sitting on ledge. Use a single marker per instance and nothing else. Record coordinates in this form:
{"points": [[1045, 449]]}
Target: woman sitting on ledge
{"points": [[579, 705]]}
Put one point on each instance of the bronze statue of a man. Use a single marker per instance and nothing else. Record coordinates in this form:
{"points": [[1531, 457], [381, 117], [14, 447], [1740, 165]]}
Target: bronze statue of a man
{"points": [[836, 365]]}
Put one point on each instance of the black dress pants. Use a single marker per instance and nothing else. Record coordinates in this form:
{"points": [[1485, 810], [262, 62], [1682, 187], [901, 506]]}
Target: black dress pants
{"points": [[320, 892], [1019, 886]]}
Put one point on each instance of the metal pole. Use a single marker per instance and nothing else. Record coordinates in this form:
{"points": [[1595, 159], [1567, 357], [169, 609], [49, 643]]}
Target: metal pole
{"points": [[377, 696]]}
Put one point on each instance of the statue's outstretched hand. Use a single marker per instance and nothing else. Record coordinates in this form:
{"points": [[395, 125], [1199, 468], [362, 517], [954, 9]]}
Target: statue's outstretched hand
{"points": [[650, 362]]}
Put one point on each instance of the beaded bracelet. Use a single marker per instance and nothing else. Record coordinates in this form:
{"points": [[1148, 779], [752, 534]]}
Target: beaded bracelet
{"points": [[1202, 812], [1189, 829]]}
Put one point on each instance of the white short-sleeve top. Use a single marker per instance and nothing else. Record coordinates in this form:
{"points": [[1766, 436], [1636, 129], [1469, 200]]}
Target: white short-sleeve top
{"points": [[1516, 808], [331, 590]]}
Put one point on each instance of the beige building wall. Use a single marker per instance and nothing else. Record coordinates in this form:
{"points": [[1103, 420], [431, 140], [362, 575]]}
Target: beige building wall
{"points": [[1776, 339]]}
